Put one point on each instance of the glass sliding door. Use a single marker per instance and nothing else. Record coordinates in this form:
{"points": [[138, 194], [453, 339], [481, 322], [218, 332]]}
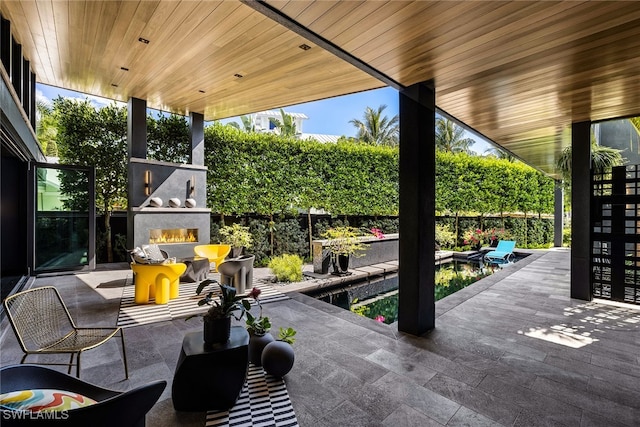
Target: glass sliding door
{"points": [[64, 223]]}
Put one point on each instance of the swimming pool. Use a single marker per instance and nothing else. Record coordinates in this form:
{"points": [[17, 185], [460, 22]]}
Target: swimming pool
{"points": [[378, 299]]}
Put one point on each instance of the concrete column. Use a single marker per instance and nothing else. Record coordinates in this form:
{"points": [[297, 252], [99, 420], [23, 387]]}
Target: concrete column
{"points": [[558, 215], [580, 209], [137, 128], [136, 147], [196, 128], [416, 275]]}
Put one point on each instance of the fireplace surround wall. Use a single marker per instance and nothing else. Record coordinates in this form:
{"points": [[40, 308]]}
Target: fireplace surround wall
{"points": [[151, 179], [168, 180]]}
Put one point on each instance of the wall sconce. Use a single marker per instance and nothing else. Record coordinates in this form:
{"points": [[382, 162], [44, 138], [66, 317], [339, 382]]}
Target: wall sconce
{"points": [[147, 183], [192, 186]]}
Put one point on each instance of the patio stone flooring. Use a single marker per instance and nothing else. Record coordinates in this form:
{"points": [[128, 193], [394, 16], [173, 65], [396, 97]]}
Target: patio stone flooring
{"points": [[512, 349]]}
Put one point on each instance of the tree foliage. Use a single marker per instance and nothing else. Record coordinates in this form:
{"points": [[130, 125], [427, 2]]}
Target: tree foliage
{"points": [[286, 126], [450, 137], [46, 129], [168, 138], [602, 159], [96, 137], [376, 128]]}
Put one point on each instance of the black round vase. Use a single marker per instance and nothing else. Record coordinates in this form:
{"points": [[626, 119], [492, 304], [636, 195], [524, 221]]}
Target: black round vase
{"points": [[217, 331], [257, 344], [277, 358]]}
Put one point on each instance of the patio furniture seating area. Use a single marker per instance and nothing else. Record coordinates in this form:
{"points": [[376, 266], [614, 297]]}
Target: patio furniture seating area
{"points": [[93, 406], [43, 325], [502, 254]]}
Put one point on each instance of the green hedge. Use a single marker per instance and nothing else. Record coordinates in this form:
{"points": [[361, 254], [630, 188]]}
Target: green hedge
{"points": [[271, 178], [266, 174]]}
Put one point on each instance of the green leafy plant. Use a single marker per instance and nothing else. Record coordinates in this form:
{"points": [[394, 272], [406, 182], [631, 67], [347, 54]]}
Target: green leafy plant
{"points": [[236, 235], [257, 325], [444, 236], [287, 268], [344, 241], [229, 303], [286, 335]]}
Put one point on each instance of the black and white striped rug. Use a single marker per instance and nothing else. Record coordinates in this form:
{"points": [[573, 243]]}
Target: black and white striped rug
{"points": [[132, 314], [263, 402]]}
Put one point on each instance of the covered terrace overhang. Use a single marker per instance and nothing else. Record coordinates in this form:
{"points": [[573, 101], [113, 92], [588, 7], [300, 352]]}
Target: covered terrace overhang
{"points": [[519, 73]]}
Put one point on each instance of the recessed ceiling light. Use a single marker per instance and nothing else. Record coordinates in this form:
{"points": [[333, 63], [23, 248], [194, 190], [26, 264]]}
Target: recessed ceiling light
{"points": [[238, 75], [124, 68], [304, 46], [145, 41], [201, 91], [114, 85]]}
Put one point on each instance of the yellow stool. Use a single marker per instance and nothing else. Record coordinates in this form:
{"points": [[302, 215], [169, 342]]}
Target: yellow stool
{"points": [[159, 281], [215, 253]]}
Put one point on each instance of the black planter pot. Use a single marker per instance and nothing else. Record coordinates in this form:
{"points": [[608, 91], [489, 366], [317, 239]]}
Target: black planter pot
{"points": [[340, 264], [277, 358], [257, 343], [237, 252], [217, 331]]}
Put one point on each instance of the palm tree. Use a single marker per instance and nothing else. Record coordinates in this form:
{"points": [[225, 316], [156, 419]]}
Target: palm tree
{"points": [[286, 126], [602, 159], [449, 137], [499, 153], [377, 129], [46, 128], [635, 122], [247, 123]]}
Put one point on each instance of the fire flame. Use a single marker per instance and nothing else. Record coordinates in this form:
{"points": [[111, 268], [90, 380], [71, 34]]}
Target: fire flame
{"points": [[178, 235]]}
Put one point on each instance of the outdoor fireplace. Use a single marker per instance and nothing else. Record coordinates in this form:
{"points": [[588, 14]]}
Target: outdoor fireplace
{"points": [[173, 235], [176, 228], [166, 201]]}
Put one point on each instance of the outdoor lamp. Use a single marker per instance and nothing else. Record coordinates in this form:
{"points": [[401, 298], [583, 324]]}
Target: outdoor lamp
{"points": [[147, 182]]}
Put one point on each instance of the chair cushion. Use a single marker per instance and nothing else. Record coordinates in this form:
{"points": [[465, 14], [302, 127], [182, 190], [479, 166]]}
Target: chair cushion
{"points": [[153, 253], [43, 400]]}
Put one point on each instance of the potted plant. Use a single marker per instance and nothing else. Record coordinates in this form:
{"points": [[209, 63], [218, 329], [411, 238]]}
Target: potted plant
{"points": [[217, 320], [343, 242], [237, 236], [278, 356], [258, 328]]}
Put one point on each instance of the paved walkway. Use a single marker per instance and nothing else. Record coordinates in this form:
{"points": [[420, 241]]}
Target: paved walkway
{"points": [[512, 349]]}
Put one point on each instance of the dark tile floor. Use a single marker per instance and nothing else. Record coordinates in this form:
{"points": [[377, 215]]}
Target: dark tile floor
{"points": [[512, 349]]}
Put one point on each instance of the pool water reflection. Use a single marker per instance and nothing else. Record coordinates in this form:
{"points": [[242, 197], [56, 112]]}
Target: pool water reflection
{"points": [[378, 299]]}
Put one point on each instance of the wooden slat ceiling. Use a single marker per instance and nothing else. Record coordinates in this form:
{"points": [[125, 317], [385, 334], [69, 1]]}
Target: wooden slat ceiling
{"points": [[518, 72]]}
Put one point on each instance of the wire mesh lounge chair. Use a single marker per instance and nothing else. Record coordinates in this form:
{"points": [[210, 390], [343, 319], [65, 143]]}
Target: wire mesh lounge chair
{"points": [[43, 325], [502, 254]]}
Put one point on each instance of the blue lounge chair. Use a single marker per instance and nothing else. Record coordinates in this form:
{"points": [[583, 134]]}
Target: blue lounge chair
{"points": [[502, 254]]}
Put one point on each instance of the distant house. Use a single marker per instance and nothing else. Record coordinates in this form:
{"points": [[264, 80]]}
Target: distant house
{"points": [[262, 123]]}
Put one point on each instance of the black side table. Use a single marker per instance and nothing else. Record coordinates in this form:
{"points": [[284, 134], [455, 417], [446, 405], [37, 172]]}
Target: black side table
{"points": [[210, 377]]}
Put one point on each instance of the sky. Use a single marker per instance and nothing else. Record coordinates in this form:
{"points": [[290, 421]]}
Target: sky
{"points": [[329, 116]]}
